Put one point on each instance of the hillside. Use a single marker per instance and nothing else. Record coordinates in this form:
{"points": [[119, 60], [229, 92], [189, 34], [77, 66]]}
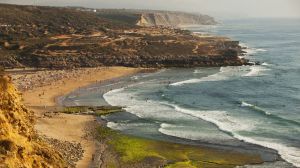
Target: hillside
{"points": [[174, 19], [29, 22], [19, 144], [150, 18], [50, 37]]}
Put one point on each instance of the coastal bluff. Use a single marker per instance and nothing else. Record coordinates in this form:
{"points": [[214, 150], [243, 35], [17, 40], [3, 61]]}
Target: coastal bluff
{"points": [[174, 19], [19, 143]]}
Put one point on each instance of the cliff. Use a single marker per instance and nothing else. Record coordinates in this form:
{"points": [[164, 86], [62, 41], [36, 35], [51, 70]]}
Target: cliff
{"points": [[154, 17], [19, 145], [174, 19]]}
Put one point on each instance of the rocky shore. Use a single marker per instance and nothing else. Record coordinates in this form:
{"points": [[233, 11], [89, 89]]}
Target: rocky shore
{"points": [[72, 152]]}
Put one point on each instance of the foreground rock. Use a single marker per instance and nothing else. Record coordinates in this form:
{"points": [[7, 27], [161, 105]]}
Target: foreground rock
{"points": [[72, 152]]}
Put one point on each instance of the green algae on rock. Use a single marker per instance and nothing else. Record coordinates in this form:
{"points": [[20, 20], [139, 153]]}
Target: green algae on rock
{"points": [[131, 150]]}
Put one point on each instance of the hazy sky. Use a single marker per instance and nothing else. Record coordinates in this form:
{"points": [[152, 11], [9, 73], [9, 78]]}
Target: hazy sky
{"points": [[219, 8]]}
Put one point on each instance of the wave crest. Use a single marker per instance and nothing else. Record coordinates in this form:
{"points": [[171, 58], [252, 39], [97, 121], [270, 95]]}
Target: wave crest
{"points": [[221, 75], [228, 124], [256, 71]]}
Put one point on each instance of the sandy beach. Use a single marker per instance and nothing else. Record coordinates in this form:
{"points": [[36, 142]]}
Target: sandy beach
{"points": [[42, 88]]}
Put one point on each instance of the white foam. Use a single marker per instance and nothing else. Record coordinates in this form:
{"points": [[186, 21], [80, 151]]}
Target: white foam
{"points": [[186, 82], [197, 71], [267, 113], [115, 91], [261, 50], [290, 154], [142, 108], [220, 118], [193, 133], [224, 74], [256, 71], [214, 77], [123, 126], [250, 50], [265, 64], [245, 104], [166, 129], [230, 124], [113, 125]]}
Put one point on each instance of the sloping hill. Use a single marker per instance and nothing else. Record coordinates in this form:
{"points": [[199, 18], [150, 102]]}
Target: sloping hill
{"points": [[18, 141], [29, 21]]}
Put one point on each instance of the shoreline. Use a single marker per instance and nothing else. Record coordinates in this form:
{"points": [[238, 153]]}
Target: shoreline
{"points": [[269, 155], [85, 122], [66, 127]]}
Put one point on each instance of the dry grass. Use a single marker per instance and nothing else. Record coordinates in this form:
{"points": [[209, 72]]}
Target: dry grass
{"points": [[19, 146]]}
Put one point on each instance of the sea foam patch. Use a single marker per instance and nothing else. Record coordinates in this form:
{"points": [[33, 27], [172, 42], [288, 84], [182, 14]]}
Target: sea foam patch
{"points": [[234, 126], [141, 107], [193, 133], [225, 73], [256, 71], [251, 50]]}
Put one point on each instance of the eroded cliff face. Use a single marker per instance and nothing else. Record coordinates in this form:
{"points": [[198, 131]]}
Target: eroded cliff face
{"points": [[174, 19], [19, 145]]}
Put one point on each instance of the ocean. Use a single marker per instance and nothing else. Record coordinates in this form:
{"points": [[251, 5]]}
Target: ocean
{"points": [[226, 106]]}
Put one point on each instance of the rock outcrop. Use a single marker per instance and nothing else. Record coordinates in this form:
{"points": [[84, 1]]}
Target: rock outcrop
{"points": [[19, 144], [174, 19]]}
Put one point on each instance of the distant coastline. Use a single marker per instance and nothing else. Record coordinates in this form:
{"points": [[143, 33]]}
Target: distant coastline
{"points": [[110, 38]]}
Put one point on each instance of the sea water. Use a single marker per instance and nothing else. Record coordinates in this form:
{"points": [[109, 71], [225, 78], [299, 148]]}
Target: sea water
{"points": [[256, 104]]}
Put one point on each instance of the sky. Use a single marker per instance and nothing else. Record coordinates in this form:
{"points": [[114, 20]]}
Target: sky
{"points": [[217, 8]]}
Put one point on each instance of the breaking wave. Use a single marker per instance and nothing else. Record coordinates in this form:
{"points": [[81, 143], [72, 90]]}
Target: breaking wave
{"points": [[256, 71], [232, 126], [250, 50], [215, 77]]}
